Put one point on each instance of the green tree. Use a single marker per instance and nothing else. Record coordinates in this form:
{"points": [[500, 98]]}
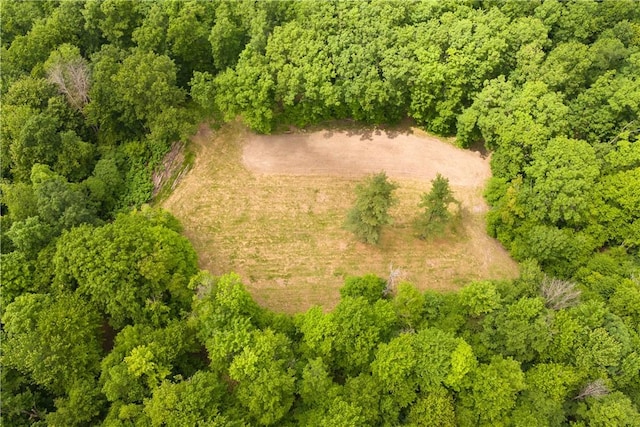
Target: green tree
{"points": [[61, 205], [144, 357], [224, 316], [621, 215], [519, 330], [104, 186], [359, 327], [18, 18], [192, 401], [30, 236], [133, 269], [76, 158], [266, 382], [23, 403], [374, 197], [247, 90], [144, 85], [188, 34], [228, 36], [548, 388], [56, 341], [38, 142], [115, 19], [409, 305], [203, 91], [369, 286], [17, 277], [564, 176], [491, 393], [479, 298], [63, 25], [436, 204], [613, 409], [434, 408]]}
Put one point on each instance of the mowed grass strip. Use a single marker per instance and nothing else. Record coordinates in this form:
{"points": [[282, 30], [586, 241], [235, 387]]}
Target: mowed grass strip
{"points": [[283, 233]]}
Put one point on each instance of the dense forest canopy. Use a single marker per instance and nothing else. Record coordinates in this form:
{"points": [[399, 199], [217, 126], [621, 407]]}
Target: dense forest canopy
{"points": [[106, 319]]}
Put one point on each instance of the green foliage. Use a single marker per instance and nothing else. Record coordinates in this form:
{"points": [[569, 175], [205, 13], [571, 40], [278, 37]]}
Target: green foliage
{"points": [[56, 341], [38, 142], [520, 330], [409, 305], [203, 91], [436, 204], [224, 314], [564, 175], [358, 327], [192, 401], [433, 409], [370, 286], [17, 277], [491, 394], [614, 409], [141, 362], [132, 269], [94, 93], [265, 381], [479, 298], [374, 197]]}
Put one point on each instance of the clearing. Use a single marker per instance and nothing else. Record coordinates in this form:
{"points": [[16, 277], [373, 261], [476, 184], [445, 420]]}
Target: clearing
{"points": [[271, 209]]}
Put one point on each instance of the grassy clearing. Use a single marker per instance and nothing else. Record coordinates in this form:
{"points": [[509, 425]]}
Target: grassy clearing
{"points": [[283, 234]]}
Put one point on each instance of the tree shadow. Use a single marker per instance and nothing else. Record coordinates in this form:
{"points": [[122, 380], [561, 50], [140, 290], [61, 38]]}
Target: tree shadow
{"points": [[479, 147], [365, 131]]}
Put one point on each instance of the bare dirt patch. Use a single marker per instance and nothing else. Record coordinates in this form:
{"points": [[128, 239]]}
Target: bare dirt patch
{"points": [[271, 208], [403, 155]]}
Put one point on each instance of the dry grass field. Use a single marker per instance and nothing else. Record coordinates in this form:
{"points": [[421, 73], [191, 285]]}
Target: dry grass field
{"points": [[271, 209]]}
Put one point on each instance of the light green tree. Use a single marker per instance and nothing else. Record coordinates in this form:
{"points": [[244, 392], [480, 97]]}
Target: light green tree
{"points": [[266, 381], [564, 176], [133, 269]]}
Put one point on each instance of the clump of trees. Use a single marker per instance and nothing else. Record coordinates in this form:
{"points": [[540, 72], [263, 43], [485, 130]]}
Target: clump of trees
{"points": [[374, 197], [105, 319], [491, 353]]}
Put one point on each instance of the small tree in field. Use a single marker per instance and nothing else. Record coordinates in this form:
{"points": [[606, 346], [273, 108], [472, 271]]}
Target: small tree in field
{"points": [[436, 215], [374, 197]]}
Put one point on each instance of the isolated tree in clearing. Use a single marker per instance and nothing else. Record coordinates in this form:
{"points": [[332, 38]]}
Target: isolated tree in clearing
{"points": [[370, 213], [436, 215]]}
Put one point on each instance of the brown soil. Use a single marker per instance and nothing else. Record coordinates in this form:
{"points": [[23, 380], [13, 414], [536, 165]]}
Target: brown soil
{"points": [[408, 155], [271, 208]]}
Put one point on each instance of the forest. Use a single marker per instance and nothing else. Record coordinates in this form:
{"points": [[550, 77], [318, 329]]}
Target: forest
{"points": [[106, 318]]}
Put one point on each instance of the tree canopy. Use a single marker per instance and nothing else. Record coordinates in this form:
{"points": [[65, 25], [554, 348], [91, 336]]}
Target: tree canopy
{"points": [[106, 319]]}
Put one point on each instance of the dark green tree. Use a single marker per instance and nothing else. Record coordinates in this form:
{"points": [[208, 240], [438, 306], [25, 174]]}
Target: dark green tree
{"points": [[437, 215], [370, 213]]}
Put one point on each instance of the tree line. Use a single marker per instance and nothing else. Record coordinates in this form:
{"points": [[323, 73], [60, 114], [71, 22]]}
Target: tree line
{"points": [[106, 319]]}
